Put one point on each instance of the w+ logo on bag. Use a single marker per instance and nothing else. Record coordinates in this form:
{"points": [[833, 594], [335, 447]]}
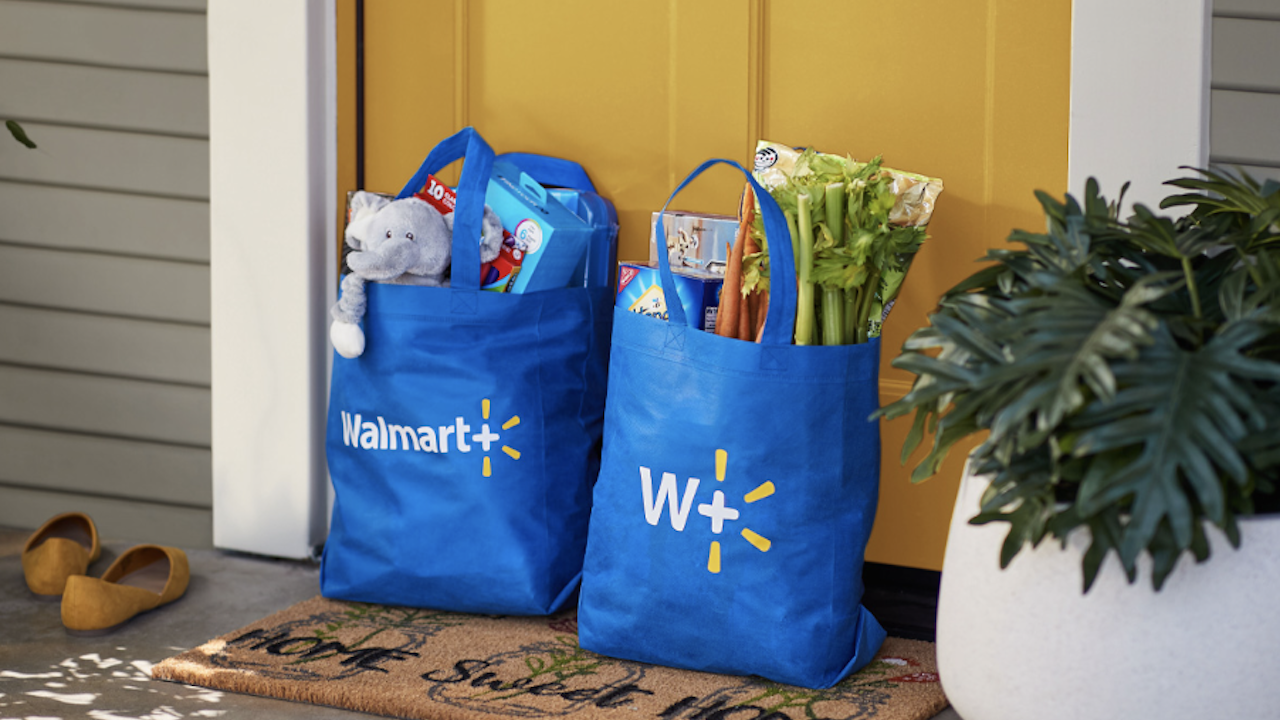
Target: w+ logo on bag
{"points": [[381, 435], [716, 511]]}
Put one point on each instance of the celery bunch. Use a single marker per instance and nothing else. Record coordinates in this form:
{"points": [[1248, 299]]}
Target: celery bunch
{"points": [[851, 258]]}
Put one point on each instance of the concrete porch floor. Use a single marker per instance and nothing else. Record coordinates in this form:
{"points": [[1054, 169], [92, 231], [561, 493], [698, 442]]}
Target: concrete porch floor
{"points": [[46, 673]]}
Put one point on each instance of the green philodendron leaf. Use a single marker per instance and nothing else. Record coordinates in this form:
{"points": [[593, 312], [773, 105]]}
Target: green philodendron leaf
{"points": [[1237, 195], [1028, 525], [1108, 527], [915, 435], [19, 134], [1184, 413], [972, 339], [1054, 210], [1165, 550], [943, 439], [1031, 484], [984, 279], [1067, 338], [1154, 233], [935, 367]]}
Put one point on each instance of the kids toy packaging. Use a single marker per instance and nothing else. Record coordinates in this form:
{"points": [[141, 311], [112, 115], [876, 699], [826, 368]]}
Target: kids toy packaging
{"points": [[546, 241], [695, 241], [545, 244]]}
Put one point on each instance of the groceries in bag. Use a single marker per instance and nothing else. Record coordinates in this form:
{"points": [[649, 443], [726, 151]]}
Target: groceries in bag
{"points": [[405, 242], [640, 291], [856, 228]]}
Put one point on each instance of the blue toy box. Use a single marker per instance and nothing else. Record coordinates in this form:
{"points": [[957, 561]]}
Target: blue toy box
{"points": [[549, 240]]}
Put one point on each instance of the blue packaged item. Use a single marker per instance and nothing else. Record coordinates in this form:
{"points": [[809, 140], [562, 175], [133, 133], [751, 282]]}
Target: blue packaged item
{"points": [[568, 183], [736, 494], [551, 241], [464, 441], [640, 291], [601, 259]]}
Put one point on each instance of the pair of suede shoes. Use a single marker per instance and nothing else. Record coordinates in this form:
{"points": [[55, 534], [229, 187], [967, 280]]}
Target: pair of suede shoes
{"points": [[57, 555]]}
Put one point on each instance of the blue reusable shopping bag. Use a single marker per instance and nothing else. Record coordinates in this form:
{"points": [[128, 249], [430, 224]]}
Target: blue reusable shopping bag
{"points": [[736, 494], [464, 442]]}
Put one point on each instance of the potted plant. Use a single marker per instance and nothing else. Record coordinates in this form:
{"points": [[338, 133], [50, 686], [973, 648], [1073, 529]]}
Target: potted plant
{"points": [[1126, 376]]}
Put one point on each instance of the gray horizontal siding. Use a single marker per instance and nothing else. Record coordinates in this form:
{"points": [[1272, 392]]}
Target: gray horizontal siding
{"points": [[132, 287], [1246, 54], [1247, 8], [110, 98], [104, 222], [90, 465], [104, 277], [115, 517], [104, 35], [104, 345], [1257, 172], [191, 6], [107, 406], [1245, 97], [1245, 128], [109, 160]]}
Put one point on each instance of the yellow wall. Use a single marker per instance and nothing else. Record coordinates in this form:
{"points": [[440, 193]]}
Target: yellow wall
{"points": [[975, 93]]}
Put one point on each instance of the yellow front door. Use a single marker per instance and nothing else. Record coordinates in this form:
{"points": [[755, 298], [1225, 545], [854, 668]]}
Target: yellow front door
{"points": [[640, 92]]}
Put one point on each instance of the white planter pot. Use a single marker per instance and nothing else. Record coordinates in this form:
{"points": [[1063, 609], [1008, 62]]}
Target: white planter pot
{"points": [[1025, 643]]}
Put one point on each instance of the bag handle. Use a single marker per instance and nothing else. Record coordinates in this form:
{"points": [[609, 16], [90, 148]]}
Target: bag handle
{"points": [[781, 319], [552, 171], [468, 214]]}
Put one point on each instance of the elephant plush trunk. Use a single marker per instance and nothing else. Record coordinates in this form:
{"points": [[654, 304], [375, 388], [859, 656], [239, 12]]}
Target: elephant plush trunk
{"points": [[393, 259]]}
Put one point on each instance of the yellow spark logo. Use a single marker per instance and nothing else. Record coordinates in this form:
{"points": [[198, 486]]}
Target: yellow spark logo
{"points": [[486, 437], [719, 512]]}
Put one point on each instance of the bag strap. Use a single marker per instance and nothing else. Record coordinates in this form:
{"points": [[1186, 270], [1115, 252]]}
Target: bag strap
{"points": [[469, 212], [780, 322], [552, 171]]}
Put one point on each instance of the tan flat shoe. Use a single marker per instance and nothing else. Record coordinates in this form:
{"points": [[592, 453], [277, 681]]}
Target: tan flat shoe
{"points": [[62, 547], [142, 578]]}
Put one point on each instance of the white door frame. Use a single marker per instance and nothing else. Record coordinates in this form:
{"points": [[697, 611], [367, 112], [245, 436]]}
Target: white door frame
{"points": [[1137, 70], [1139, 94], [273, 170]]}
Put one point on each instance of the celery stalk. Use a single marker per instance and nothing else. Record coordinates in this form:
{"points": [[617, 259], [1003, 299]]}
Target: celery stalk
{"points": [[850, 330], [802, 236], [833, 297], [866, 303], [834, 206], [832, 316]]}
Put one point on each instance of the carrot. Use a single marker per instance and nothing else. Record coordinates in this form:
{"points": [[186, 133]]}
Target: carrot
{"points": [[731, 304], [748, 319], [764, 310], [730, 295], [745, 319]]}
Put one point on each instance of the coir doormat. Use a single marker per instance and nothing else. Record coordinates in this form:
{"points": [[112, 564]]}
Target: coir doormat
{"points": [[411, 663]]}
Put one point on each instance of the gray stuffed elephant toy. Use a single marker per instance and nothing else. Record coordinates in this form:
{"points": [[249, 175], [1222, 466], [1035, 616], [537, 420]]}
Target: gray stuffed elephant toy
{"points": [[406, 242]]}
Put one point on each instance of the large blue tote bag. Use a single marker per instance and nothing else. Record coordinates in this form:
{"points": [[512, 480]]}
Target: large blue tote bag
{"points": [[736, 494], [464, 442]]}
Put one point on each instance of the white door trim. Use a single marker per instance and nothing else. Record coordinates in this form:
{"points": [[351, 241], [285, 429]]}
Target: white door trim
{"points": [[273, 169], [1139, 94]]}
